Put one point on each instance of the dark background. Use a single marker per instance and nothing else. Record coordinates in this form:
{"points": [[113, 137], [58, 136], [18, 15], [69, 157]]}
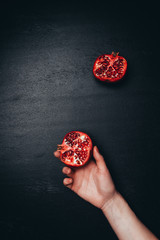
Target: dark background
{"points": [[47, 88]]}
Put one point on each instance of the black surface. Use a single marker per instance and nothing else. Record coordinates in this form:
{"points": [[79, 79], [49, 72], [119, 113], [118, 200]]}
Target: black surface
{"points": [[47, 89]]}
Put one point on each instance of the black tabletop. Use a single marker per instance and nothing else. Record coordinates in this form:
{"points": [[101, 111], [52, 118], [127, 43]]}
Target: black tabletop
{"points": [[47, 89]]}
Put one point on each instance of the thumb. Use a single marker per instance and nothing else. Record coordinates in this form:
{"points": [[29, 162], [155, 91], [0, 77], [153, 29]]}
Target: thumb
{"points": [[99, 159]]}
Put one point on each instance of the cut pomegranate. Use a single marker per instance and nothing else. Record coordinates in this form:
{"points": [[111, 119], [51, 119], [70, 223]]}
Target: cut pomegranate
{"points": [[75, 149], [110, 68]]}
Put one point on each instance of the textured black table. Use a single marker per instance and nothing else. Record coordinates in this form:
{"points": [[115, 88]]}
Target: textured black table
{"points": [[47, 89]]}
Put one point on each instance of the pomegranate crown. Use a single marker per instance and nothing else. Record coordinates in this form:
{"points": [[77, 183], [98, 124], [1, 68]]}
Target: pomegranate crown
{"points": [[115, 54]]}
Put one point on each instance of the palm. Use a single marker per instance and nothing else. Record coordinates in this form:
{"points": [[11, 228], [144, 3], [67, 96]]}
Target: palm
{"points": [[92, 184], [84, 177]]}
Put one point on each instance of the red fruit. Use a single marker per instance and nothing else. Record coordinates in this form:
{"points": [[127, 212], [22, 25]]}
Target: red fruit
{"points": [[75, 149], [110, 68]]}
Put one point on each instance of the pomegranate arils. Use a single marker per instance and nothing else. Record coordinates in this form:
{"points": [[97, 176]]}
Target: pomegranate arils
{"points": [[67, 154], [118, 64], [99, 71], [82, 143], [103, 58], [82, 155], [71, 137]]}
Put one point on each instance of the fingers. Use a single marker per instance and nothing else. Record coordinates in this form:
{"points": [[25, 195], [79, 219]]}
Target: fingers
{"points": [[57, 154], [68, 182], [67, 171], [99, 159]]}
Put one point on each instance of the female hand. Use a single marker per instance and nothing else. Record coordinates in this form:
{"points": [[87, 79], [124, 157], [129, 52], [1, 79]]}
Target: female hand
{"points": [[92, 182]]}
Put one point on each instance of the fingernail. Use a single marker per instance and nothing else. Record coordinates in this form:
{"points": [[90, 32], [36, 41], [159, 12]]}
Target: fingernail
{"points": [[69, 180]]}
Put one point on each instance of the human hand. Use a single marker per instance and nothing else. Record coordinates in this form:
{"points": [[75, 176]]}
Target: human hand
{"points": [[94, 184], [91, 182]]}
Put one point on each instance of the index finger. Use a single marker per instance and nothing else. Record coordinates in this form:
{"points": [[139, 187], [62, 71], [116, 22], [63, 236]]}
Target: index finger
{"points": [[57, 154]]}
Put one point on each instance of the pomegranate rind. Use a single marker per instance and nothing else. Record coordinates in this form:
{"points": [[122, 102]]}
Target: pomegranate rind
{"points": [[67, 148], [112, 60]]}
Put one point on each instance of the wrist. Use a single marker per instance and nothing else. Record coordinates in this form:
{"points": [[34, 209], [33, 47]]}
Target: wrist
{"points": [[109, 203]]}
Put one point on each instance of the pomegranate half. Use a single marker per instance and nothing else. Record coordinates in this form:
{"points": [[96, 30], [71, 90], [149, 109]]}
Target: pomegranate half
{"points": [[76, 149], [110, 67]]}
